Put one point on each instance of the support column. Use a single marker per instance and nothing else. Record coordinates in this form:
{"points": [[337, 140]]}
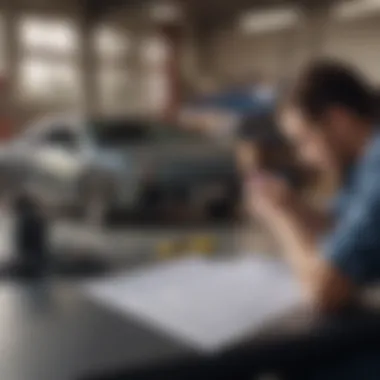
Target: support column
{"points": [[173, 69], [88, 63], [9, 115], [203, 40], [136, 99], [190, 59]]}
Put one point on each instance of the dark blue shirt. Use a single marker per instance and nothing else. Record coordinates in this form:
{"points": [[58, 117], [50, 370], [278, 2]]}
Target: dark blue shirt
{"points": [[353, 247], [354, 244]]}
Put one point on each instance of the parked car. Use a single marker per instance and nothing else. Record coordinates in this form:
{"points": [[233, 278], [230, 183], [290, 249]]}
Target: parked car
{"points": [[103, 167]]}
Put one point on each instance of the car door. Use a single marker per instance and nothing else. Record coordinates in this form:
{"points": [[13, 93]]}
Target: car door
{"points": [[57, 163]]}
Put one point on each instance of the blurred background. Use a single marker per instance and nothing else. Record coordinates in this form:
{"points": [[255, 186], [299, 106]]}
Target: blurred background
{"points": [[126, 110]]}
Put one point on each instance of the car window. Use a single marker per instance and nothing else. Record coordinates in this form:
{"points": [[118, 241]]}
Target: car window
{"points": [[118, 133], [128, 132], [162, 132], [60, 136]]}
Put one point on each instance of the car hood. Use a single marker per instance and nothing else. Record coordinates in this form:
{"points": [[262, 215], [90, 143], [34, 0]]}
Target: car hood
{"points": [[168, 160]]}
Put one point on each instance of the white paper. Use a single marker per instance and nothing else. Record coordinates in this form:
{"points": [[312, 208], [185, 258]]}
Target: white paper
{"points": [[208, 304]]}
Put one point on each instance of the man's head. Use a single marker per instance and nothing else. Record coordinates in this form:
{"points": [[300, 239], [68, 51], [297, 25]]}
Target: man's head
{"points": [[259, 144], [328, 114]]}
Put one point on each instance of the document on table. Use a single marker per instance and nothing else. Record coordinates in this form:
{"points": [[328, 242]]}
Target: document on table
{"points": [[207, 304]]}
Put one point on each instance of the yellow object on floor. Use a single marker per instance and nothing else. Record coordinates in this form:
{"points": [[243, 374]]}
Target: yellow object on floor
{"points": [[166, 250], [200, 245], [204, 245]]}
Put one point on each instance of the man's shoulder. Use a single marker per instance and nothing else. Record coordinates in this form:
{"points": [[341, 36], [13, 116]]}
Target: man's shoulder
{"points": [[370, 165], [366, 176]]}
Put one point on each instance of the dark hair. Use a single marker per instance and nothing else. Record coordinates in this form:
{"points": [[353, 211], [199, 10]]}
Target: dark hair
{"points": [[276, 155], [327, 83], [261, 129]]}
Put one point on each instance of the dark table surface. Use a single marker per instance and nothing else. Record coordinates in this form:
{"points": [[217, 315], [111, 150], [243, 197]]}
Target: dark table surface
{"points": [[52, 332]]}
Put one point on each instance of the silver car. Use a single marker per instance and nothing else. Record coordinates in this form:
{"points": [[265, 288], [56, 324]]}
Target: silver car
{"points": [[108, 166]]}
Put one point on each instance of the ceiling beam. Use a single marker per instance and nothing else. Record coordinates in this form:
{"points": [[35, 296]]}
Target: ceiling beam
{"points": [[96, 10]]}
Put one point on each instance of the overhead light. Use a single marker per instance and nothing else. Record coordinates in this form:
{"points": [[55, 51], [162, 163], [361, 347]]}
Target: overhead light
{"points": [[355, 8], [165, 11], [267, 21]]}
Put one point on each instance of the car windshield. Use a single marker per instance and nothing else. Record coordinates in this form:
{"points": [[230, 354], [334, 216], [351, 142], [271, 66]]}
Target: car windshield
{"points": [[114, 133]]}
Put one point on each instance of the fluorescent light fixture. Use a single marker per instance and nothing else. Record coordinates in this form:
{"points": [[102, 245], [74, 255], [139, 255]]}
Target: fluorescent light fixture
{"points": [[268, 21], [165, 12], [355, 8]]}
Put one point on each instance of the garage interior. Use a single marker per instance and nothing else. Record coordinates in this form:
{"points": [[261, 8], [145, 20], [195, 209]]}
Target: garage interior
{"points": [[104, 56], [193, 66], [156, 59], [162, 60]]}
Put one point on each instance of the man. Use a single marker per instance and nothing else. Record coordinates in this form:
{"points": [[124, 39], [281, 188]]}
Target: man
{"points": [[260, 146], [329, 116]]}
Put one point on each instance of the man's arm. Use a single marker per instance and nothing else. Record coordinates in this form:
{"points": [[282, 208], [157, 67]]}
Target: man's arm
{"points": [[328, 273], [317, 220], [324, 286]]}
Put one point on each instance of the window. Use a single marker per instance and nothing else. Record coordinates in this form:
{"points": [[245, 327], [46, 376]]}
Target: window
{"points": [[155, 51], [55, 35], [2, 46], [113, 82], [48, 72], [111, 43], [41, 80], [114, 88], [157, 90]]}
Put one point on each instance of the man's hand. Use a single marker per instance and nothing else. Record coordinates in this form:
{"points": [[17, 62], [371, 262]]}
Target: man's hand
{"points": [[267, 196]]}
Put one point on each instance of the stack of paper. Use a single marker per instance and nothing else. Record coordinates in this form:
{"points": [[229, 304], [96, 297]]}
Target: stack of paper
{"points": [[208, 304]]}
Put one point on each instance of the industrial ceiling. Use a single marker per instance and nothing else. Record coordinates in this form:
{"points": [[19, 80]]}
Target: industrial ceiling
{"points": [[203, 10]]}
